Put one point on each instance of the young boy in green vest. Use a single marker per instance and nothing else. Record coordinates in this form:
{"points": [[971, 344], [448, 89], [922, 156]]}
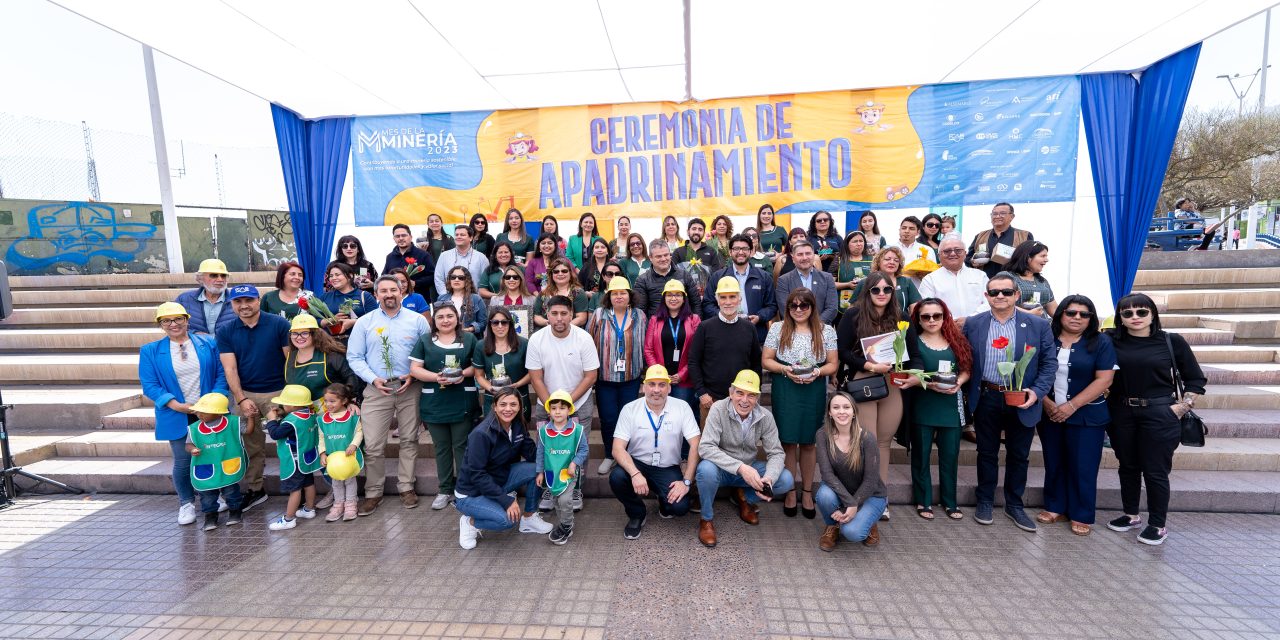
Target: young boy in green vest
{"points": [[217, 458], [293, 426], [562, 449]]}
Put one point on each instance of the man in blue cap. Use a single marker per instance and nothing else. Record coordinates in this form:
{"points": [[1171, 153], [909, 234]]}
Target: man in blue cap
{"points": [[253, 349]]}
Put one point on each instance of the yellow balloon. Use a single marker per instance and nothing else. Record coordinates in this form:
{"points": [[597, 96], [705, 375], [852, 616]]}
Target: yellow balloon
{"points": [[342, 466]]}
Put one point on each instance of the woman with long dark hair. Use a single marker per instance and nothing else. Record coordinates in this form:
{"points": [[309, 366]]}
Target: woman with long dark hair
{"points": [[938, 408], [637, 260], [562, 283], [513, 231], [668, 338], [852, 267], [931, 231], [443, 361], [772, 237], [825, 239], [481, 241], [1076, 416], [342, 290], [852, 496], [501, 358], [800, 352], [350, 251], [438, 241], [504, 255], [593, 265], [547, 250], [719, 235], [869, 225], [1028, 262], [1146, 409], [461, 292], [576, 249], [889, 262], [550, 225]]}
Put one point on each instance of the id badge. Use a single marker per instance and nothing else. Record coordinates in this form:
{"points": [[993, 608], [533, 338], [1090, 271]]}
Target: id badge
{"points": [[675, 355], [620, 366], [657, 458]]}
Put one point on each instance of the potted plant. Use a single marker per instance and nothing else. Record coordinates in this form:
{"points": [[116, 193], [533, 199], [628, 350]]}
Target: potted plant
{"points": [[944, 379], [899, 376], [451, 372], [804, 368], [1012, 372], [500, 377]]}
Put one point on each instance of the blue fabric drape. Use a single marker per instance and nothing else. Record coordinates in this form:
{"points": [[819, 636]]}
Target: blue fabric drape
{"points": [[1130, 126], [314, 156]]}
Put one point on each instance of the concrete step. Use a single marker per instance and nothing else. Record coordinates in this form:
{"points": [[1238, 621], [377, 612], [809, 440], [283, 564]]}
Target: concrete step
{"points": [[45, 340], [1201, 335], [1240, 397], [1207, 278], [64, 408], [66, 368], [1252, 326], [1219, 354], [1237, 423], [102, 297], [1216, 300], [1179, 320], [131, 280], [1217, 491], [89, 317], [1242, 373]]}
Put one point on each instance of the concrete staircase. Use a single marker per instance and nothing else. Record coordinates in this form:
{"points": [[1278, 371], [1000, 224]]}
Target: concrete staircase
{"points": [[68, 362]]}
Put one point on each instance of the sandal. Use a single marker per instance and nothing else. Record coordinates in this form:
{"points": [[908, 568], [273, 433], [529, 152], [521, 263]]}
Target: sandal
{"points": [[1080, 528], [924, 512], [1049, 517], [809, 512], [955, 514]]}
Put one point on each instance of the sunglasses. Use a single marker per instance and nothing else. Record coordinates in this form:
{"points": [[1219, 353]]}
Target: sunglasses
{"points": [[636, 244], [511, 277], [881, 291], [930, 317], [559, 271], [1080, 314], [457, 276], [350, 245], [1129, 313], [800, 306], [611, 275], [931, 225], [996, 293], [822, 220], [499, 323]]}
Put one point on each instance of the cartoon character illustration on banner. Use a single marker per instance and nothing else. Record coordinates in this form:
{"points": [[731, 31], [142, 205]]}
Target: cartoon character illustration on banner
{"points": [[521, 147], [870, 114]]}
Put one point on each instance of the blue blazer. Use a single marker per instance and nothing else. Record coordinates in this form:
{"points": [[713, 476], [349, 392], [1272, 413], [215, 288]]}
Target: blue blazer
{"points": [[1082, 367], [160, 383], [759, 294], [1031, 330]]}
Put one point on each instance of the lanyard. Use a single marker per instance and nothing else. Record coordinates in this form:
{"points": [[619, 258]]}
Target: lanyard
{"points": [[620, 332], [674, 325], [656, 427]]}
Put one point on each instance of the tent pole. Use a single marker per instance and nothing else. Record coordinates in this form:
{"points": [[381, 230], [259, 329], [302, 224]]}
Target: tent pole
{"points": [[688, 53], [173, 246], [1266, 48]]}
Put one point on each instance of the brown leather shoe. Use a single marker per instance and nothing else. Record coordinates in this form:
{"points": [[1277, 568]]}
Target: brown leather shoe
{"points": [[873, 536], [830, 536], [747, 512], [969, 435], [409, 499], [706, 533], [369, 505]]}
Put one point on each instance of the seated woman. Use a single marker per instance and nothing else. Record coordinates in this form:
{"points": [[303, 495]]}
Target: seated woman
{"points": [[498, 462], [851, 496]]}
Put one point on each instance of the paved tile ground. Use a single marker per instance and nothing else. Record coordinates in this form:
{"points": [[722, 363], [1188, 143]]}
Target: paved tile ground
{"points": [[120, 567]]}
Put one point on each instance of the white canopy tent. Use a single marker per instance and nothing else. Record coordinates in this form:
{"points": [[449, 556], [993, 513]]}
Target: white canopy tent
{"points": [[331, 58]]}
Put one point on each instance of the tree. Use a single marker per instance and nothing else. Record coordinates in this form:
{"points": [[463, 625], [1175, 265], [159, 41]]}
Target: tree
{"points": [[1221, 159]]}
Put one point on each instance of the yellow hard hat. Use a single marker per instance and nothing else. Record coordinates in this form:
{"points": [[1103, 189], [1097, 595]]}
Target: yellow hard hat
{"points": [[211, 403], [342, 466], [169, 309], [294, 395], [673, 286], [748, 381], [213, 265], [657, 372], [562, 396], [302, 322], [618, 283], [728, 284]]}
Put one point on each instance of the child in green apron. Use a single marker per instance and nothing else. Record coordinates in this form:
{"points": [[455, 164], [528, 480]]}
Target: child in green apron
{"points": [[340, 431], [562, 449], [293, 426], [217, 458]]}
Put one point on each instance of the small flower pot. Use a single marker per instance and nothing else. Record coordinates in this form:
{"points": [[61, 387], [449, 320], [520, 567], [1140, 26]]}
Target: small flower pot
{"points": [[899, 378], [1015, 398], [335, 329], [801, 371], [944, 381], [500, 383]]}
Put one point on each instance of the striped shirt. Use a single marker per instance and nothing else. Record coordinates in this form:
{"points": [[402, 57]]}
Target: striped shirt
{"points": [[605, 336], [992, 355]]}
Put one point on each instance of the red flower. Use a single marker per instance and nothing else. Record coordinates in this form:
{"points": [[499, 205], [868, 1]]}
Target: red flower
{"points": [[411, 261], [303, 304], [1029, 347], [1000, 342]]}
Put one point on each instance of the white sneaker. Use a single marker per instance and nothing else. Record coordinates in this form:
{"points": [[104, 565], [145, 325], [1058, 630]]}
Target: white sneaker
{"points": [[546, 503], [441, 501], [605, 467], [534, 524], [222, 504], [577, 498], [281, 524], [187, 513], [305, 513], [467, 533]]}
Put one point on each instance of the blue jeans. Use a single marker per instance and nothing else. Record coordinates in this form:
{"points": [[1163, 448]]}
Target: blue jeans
{"points": [[209, 499], [686, 394], [855, 530], [610, 398], [489, 514], [182, 471], [711, 478]]}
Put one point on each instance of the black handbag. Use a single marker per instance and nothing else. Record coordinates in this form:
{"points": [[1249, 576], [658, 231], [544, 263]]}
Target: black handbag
{"points": [[868, 389], [1193, 428]]}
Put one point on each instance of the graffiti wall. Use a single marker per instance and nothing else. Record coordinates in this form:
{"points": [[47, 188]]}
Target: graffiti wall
{"points": [[49, 238], [270, 240]]}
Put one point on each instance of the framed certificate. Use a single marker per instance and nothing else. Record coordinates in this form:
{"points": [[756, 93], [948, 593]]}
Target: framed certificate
{"points": [[879, 349]]}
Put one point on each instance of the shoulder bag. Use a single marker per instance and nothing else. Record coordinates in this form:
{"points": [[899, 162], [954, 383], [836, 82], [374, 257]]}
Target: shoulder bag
{"points": [[1193, 428], [868, 389]]}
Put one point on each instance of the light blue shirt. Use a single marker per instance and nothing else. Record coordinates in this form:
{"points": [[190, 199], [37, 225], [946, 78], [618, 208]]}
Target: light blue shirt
{"points": [[991, 355], [807, 281], [473, 260], [211, 309], [364, 349]]}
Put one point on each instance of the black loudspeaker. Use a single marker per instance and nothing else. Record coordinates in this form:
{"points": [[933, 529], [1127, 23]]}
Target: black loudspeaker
{"points": [[6, 298]]}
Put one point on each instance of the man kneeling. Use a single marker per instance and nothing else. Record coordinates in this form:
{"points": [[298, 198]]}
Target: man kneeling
{"points": [[735, 427], [645, 464]]}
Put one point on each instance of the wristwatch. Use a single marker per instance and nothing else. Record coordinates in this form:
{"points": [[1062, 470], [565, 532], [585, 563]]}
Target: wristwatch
{"points": [[688, 483]]}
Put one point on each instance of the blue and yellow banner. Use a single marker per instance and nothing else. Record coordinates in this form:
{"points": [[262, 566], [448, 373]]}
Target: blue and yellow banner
{"points": [[902, 147]]}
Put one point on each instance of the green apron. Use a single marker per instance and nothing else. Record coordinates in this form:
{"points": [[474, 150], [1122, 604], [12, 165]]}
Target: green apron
{"points": [[300, 453], [338, 434], [558, 450], [314, 375], [221, 460]]}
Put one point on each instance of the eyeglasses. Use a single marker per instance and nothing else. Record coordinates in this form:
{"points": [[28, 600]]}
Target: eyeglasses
{"points": [[169, 321], [1073, 313], [1129, 313], [740, 248], [930, 317], [635, 244], [800, 306], [996, 293], [350, 245], [559, 271], [881, 291], [300, 334], [499, 323], [952, 251], [511, 277], [457, 276], [216, 276]]}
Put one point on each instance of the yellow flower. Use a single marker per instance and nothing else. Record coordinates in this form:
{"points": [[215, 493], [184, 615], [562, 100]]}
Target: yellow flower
{"points": [[381, 330], [924, 253], [902, 326]]}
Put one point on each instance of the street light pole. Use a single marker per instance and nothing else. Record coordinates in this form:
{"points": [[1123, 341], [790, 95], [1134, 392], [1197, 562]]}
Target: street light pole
{"points": [[1231, 80]]}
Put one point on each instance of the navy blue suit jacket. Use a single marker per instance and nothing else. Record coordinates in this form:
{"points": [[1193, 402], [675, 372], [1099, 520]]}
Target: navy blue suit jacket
{"points": [[758, 293], [1030, 330]]}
